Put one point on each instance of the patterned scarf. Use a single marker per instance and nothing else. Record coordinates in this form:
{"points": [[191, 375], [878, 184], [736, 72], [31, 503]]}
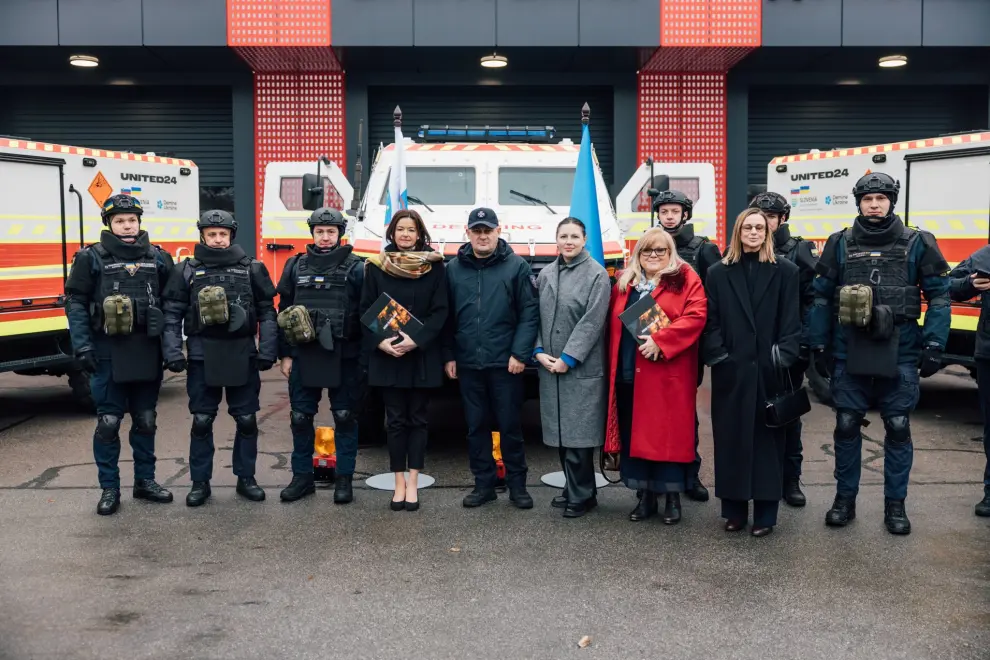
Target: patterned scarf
{"points": [[408, 265]]}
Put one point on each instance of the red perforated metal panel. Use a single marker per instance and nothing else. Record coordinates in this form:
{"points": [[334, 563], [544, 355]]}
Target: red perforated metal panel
{"points": [[690, 58], [289, 59], [278, 22], [682, 119], [297, 117], [711, 23]]}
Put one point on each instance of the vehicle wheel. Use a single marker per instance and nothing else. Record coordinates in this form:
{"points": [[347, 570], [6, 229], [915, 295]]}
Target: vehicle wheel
{"points": [[371, 422], [79, 382], [820, 386]]}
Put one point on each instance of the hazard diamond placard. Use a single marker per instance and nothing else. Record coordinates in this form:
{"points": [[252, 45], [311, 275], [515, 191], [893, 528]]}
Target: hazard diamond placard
{"points": [[100, 189]]}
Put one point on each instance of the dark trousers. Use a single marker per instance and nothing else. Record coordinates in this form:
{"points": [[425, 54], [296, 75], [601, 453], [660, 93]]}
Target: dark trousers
{"points": [[764, 511], [793, 448], [493, 399], [406, 422], [579, 473], [205, 400], [983, 382], [118, 399], [895, 397], [306, 400]]}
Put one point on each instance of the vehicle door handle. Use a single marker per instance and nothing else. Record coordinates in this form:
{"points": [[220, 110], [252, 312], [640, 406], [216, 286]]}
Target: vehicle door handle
{"points": [[279, 246]]}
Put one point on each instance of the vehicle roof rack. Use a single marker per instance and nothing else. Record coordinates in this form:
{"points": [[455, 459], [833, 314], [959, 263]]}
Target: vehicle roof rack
{"points": [[526, 134]]}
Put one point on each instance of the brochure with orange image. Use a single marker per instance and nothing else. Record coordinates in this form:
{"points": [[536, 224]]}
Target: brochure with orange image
{"points": [[644, 317]]}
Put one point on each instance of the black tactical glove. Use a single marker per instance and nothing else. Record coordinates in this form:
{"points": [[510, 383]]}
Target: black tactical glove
{"points": [[177, 366], [931, 361], [265, 365], [821, 363], [87, 360]]}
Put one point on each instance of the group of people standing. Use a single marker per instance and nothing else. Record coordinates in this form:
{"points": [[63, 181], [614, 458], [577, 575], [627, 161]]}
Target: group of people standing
{"points": [[757, 316]]}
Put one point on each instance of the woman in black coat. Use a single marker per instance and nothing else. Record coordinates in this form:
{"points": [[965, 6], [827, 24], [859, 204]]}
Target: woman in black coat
{"points": [[408, 367], [753, 306]]}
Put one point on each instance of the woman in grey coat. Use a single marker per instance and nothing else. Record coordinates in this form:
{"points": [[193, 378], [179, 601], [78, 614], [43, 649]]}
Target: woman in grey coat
{"points": [[570, 347]]}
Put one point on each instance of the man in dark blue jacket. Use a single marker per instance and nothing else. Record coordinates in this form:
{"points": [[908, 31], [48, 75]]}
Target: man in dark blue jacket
{"points": [[969, 279], [494, 315], [868, 294]]}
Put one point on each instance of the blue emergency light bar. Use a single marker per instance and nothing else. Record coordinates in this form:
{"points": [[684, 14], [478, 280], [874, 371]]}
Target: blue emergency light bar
{"points": [[532, 134]]}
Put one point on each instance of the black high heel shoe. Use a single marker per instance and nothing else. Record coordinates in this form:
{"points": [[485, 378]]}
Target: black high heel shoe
{"points": [[397, 506]]}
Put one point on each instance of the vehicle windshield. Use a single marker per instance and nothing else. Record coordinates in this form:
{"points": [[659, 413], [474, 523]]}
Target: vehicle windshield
{"points": [[553, 185], [443, 186]]}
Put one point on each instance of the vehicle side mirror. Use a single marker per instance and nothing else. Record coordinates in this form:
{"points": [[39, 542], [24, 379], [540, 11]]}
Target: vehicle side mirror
{"points": [[312, 192]]}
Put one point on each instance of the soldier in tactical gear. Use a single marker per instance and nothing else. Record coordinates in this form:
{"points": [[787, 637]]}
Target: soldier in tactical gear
{"points": [[319, 346], [804, 255], [116, 322], [674, 210], [223, 298], [871, 278]]}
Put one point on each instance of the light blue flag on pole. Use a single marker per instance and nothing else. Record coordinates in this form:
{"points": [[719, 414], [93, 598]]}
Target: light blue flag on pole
{"points": [[397, 193], [584, 198]]}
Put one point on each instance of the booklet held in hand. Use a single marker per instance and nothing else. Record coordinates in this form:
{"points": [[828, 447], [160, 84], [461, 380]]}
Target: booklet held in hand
{"points": [[386, 318], [644, 317]]}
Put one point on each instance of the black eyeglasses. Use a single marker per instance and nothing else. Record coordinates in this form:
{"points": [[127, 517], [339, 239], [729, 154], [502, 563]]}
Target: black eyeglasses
{"points": [[654, 252]]}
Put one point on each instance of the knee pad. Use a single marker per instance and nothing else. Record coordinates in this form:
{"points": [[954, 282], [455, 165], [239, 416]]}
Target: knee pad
{"points": [[898, 429], [107, 427], [202, 424], [144, 422], [343, 416], [297, 419], [847, 425], [246, 424]]}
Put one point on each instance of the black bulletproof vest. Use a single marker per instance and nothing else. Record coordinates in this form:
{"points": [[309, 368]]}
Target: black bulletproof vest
{"points": [[135, 278], [690, 250], [235, 279], [785, 245], [323, 292], [884, 268]]}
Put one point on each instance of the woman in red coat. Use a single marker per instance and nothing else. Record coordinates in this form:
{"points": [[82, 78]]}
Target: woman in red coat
{"points": [[653, 387]]}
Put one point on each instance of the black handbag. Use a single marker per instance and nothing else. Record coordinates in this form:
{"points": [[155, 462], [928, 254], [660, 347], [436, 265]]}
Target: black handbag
{"points": [[790, 404]]}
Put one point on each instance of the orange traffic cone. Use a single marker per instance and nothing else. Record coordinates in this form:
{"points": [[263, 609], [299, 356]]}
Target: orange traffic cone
{"points": [[325, 460], [499, 463]]}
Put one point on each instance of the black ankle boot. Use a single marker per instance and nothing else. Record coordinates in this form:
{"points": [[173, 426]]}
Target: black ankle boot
{"points": [[983, 507], [895, 517], [248, 488], [109, 502], [792, 492], [842, 513], [697, 492], [646, 508], [672, 509], [198, 494], [148, 489], [300, 486], [343, 492]]}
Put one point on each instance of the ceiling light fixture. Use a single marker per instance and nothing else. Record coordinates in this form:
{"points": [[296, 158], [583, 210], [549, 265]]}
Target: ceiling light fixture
{"points": [[494, 61], [85, 61], [892, 61]]}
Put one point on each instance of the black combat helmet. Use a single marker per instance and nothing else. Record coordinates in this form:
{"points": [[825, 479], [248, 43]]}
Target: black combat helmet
{"points": [[771, 202], [217, 218], [877, 182], [120, 204], [674, 197], [326, 217]]}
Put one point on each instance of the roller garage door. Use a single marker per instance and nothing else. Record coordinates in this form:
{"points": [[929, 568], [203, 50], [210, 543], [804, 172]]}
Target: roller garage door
{"points": [[190, 122], [793, 119], [559, 107]]}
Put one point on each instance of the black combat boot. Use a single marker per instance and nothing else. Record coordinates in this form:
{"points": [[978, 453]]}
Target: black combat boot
{"points": [[843, 512], [647, 507], [792, 492], [520, 498], [559, 501], [479, 496], [247, 487], [697, 492], [300, 486], [983, 508], [672, 509], [148, 489], [199, 493], [895, 517], [109, 502], [343, 492]]}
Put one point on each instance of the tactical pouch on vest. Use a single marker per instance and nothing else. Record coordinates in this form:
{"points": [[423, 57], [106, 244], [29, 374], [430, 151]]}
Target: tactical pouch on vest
{"points": [[297, 325], [856, 305], [213, 308], [118, 315], [882, 324]]}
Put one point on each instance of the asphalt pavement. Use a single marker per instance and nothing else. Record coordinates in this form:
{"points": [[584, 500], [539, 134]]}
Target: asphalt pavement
{"points": [[235, 579]]}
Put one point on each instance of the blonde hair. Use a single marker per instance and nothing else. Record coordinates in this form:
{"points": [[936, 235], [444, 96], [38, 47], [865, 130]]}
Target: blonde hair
{"points": [[735, 251], [650, 239]]}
